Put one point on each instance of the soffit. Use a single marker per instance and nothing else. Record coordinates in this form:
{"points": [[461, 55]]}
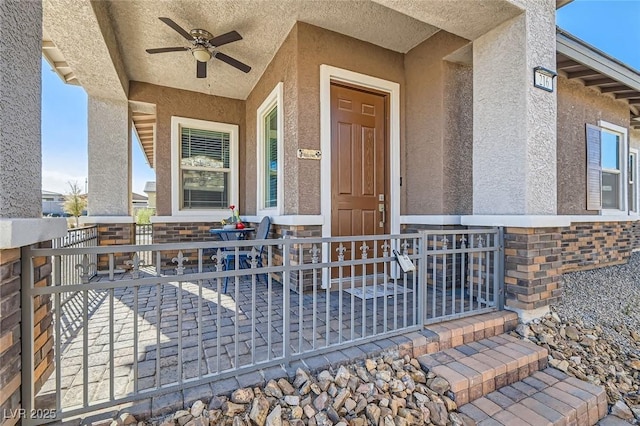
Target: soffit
{"points": [[465, 18], [263, 25], [580, 61], [84, 40]]}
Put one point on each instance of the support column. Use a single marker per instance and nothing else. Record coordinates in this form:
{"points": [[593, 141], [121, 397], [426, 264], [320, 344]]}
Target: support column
{"points": [[20, 91], [514, 153], [514, 123], [533, 270], [109, 154], [21, 222]]}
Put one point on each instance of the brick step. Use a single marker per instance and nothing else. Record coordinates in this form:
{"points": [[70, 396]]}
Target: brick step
{"points": [[479, 368], [547, 397], [465, 330]]}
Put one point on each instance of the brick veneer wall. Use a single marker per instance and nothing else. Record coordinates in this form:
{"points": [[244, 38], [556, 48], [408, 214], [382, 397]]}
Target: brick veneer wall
{"points": [[10, 328], [533, 267], [43, 320], [597, 244], [10, 343], [113, 234]]}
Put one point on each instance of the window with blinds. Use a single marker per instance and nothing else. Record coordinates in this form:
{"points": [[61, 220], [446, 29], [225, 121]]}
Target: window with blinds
{"points": [[204, 169], [607, 169], [271, 159]]}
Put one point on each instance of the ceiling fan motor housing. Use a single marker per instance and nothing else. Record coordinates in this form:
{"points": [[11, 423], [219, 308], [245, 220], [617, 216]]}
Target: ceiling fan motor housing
{"points": [[201, 35]]}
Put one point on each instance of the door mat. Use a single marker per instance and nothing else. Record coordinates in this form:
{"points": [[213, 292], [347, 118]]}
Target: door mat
{"points": [[379, 290]]}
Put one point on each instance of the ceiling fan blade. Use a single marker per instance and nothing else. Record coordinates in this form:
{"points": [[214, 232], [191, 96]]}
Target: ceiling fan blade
{"points": [[225, 39], [177, 28], [233, 62], [167, 49], [202, 70]]}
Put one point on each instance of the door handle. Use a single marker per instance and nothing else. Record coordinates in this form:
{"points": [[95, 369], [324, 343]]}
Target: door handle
{"points": [[383, 216]]}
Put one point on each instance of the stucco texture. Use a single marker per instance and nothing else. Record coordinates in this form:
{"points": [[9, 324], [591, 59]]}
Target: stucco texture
{"points": [[514, 131], [283, 68], [182, 103], [435, 144], [109, 155], [317, 46], [579, 105], [436, 93], [20, 87]]}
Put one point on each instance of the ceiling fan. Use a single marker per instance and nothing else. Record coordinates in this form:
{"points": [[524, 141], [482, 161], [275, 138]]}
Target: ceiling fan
{"points": [[204, 47]]}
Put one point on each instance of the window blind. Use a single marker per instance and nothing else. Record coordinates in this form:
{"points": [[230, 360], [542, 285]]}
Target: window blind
{"points": [[594, 168], [204, 148]]}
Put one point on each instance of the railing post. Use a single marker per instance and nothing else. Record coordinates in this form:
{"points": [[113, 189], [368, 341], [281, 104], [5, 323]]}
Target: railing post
{"points": [[422, 279], [286, 288], [26, 333], [500, 269]]}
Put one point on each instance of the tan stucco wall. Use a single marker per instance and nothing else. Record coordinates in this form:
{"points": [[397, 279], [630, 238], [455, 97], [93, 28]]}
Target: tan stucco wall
{"points": [[282, 68], [317, 46], [457, 189], [182, 103], [432, 99], [435, 128], [577, 106]]}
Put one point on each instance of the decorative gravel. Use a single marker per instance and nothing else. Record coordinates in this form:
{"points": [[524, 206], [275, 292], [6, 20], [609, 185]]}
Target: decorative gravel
{"points": [[606, 297]]}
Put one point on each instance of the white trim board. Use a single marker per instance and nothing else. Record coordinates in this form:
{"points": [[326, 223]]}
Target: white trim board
{"points": [[16, 233], [430, 220], [233, 130], [515, 221], [327, 75], [274, 99], [92, 220]]}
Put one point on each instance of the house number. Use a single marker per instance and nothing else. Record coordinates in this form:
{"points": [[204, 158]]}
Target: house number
{"points": [[543, 78]]}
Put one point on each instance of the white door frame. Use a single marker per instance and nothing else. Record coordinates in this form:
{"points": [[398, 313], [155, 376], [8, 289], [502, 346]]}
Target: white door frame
{"points": [[327, 75]]}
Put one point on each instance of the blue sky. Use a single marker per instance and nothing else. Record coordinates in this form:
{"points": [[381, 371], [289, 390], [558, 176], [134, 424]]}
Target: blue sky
{"points": [[610, 25], [64, 137]]}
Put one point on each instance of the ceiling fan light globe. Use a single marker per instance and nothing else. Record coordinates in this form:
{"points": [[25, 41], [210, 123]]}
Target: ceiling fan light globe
{"points": [[201, 54]]}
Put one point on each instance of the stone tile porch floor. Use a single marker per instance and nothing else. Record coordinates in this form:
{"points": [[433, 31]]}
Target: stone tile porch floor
{"points": [[234, 351]]}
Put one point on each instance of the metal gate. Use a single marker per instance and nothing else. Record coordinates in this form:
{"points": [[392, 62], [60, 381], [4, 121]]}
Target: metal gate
{"points": [[200, 312]]}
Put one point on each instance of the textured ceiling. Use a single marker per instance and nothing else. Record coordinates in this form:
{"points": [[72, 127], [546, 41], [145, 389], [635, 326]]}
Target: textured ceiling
{"points": [[263, 25]]}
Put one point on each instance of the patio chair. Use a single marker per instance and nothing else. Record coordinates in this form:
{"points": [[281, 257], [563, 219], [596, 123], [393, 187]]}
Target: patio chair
{"points": [[262, 233]]}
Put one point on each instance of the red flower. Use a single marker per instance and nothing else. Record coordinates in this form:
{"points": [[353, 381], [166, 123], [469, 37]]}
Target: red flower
{"points": [[232, 207]]}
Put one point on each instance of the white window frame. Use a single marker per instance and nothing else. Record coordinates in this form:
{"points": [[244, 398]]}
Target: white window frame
{"points": [[623, 152], [635, 153], [274, 99], [176, 124]]}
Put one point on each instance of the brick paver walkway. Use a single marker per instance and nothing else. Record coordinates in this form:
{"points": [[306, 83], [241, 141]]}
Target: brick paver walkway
{"points": [[221, 347]]}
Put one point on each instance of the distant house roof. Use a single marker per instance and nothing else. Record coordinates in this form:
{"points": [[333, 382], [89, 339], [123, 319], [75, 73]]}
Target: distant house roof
{"points": [[150, 187], [138, 197], [51, 194]]}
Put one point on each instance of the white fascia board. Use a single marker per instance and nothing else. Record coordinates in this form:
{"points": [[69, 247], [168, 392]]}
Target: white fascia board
{"points": [[430, 219], [516, 221], [94, 220], [24, 232], [589, 57]]}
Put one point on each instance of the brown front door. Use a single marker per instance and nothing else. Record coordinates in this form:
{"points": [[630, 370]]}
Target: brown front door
{"points": [[358, 162]]}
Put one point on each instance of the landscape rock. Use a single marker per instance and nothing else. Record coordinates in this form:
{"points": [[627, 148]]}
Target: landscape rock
{"points": [[275, 417], [439, 385], [242, 396], [259, 410], [197, 408], [620, 409]]}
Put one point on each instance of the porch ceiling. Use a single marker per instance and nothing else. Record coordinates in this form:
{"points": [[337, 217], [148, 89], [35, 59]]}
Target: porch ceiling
{"points": [[263, 26], [576, 59]]}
